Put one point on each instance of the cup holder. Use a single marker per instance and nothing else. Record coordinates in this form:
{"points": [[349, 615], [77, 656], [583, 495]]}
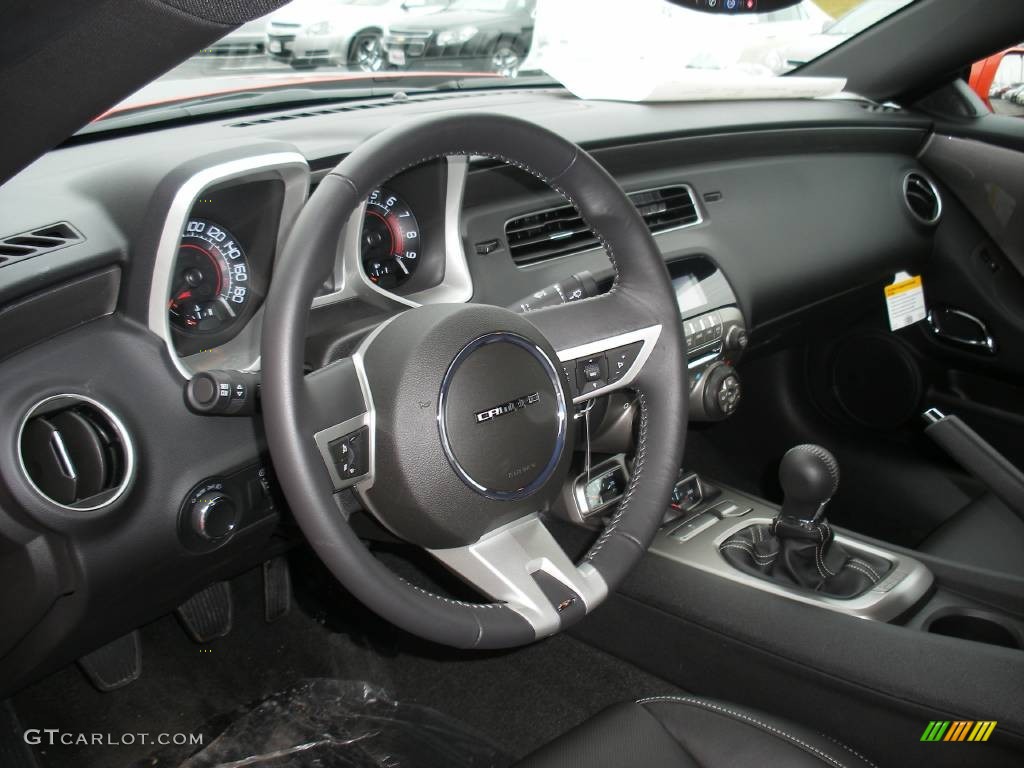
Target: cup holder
{"points": [[978, 626]]}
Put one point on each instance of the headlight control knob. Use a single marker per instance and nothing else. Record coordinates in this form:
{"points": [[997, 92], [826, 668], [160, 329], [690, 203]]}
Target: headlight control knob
{"points": [[214, 516]]}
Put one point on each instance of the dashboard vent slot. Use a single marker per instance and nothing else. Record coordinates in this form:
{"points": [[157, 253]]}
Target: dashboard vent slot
{"points": [[37, 241], [354, 106], [75, 452], [560, 231], [922, 198]]}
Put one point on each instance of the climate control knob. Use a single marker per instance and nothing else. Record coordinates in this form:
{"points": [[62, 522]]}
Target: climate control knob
{"points": [[214, 516], [722, 391]]}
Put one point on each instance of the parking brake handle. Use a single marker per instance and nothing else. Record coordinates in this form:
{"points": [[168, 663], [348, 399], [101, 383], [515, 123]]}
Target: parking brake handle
{"points": [[975, 454]]}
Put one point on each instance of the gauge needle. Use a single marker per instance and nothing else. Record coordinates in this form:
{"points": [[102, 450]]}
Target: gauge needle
{"points": [[179, 298], [402, 264], [227, 306]]}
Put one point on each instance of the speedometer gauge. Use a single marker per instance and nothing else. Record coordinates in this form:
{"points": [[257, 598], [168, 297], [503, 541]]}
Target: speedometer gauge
{"points": [[391, 240], [210, 283]]}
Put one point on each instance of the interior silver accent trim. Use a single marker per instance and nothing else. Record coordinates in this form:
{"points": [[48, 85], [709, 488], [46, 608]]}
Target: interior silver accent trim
{"points": [[294, 172], [561, 412], [986, 342], [456, 287], [649, 336], [905, 585], [690, 190], [502, 563], [934, 190], [129, 451]]}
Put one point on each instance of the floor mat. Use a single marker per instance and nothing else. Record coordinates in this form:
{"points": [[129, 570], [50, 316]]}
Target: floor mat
{"points": [[342, 724], [519, 699]]}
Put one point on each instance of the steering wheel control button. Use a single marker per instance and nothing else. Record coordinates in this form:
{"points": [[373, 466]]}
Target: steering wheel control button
{"points": [[621, 359], [502, 416], [592, 373], [350, 454]]}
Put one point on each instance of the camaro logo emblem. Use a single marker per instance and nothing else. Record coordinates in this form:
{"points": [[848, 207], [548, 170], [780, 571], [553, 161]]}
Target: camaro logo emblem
{"points": [[512, 405]]}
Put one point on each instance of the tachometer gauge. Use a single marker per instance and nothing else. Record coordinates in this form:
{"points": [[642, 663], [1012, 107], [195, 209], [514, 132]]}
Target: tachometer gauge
{"points": [[391, 240], [210, 283]]}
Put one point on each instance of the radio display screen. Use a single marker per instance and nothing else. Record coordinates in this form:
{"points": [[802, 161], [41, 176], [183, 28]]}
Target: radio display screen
{"points": [[689, 294]]}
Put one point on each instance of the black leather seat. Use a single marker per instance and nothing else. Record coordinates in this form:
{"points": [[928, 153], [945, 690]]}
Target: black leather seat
{"points": [[984, 534], [687, 731]]}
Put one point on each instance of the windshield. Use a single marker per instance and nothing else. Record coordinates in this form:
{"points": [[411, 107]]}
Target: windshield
{"points": [[317, 50], [864, 15]]}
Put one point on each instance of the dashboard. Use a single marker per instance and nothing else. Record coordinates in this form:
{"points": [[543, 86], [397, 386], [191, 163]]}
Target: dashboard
{"points": [[161, 248]]}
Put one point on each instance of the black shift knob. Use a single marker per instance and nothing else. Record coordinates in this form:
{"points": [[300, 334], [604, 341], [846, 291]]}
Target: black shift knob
{"points": [[809, 476]]}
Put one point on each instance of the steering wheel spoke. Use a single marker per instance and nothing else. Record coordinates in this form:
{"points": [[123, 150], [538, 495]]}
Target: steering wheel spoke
{"points": [[603, 344], [522, 566], [340, 418]]}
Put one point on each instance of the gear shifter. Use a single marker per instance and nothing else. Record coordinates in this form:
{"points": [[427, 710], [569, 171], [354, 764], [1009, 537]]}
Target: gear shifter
{"points": [[798, 547], [809, 476]]}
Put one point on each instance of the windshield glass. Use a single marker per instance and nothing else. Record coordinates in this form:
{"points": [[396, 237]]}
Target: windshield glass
{"points": [[317, 50]]}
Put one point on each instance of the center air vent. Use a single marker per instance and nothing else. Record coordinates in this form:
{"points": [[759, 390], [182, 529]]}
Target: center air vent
{"points": [[560, 231], [922, 198], [75, 452]]}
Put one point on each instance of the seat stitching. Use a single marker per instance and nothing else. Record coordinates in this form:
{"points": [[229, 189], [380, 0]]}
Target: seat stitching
{"points": [[823, 756], [850, 749]]}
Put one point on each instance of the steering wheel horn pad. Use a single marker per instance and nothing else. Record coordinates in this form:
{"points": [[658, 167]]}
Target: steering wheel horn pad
{"points": [[471, 418]]}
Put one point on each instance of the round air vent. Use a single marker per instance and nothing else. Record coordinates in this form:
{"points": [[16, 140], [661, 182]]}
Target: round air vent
{"points": [[75, 452], [922, 198]]}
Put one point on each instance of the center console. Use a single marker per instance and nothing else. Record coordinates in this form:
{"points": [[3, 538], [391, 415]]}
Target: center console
{"points": [[694, 536]]}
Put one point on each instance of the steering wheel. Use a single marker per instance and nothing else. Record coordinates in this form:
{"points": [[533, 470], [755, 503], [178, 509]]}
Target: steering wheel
{"points": [[453, 423]]}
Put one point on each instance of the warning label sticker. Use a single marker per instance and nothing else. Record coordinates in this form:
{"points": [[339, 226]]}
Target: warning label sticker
{"points": [[905, 301]]}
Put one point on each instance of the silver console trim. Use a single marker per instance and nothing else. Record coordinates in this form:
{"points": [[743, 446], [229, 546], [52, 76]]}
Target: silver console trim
{"points": [[906, 584]]}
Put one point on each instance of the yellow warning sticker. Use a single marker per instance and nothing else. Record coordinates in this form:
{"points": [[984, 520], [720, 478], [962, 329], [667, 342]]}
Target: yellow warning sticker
{"points": [[904, 299]]}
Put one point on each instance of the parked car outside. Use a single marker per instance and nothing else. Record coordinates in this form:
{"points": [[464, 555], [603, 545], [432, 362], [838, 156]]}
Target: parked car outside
{"points": [[242, 48], [310, 33], [999, 81], [488, 35]]}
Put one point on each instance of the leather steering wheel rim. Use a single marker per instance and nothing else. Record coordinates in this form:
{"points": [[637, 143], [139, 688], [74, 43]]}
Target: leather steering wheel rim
{"points": [[641, 298]]}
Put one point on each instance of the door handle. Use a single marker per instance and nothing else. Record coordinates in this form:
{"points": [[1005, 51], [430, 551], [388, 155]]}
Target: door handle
{"points": [[959, 327]]}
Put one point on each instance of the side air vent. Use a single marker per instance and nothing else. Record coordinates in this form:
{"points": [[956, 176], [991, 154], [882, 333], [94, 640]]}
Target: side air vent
{"points": [[560, 231], [922, 198], [37, 241], [75, 452]]}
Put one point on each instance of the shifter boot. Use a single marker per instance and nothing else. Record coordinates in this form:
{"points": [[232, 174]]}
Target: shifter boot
{"points": [[803, 554]]}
